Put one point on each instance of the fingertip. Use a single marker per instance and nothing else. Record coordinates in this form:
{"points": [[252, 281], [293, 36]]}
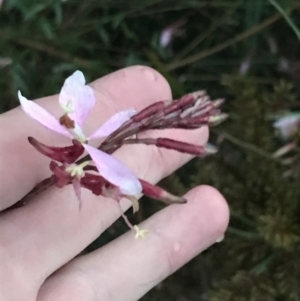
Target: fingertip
{"points": [[139, 81], [214, 204], [156, 78], [187, 230]]}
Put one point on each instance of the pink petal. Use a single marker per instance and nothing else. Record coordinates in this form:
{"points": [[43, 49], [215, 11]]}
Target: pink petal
{"points": [[41, 115], [112, 124], [80, 96], [114, 171], [284, 150]]}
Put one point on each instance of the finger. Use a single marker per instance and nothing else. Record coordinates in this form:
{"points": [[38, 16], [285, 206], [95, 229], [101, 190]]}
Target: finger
{"points": [[50, 230], [53, 224], [22, 167], [127, 268]]}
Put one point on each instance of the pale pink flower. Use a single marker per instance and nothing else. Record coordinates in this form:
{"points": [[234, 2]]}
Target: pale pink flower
{"points": [[114, 171], [287, 126], [169, 32], [166, 36], [76, 100]]}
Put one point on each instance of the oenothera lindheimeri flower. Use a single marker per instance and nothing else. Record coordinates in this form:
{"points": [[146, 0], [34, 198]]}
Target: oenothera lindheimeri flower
{"points": [[76, 100], [288, 125], [112, 178]]}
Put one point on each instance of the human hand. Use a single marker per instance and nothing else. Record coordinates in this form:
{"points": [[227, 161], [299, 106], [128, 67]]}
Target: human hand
{"points": [[39, 240]]}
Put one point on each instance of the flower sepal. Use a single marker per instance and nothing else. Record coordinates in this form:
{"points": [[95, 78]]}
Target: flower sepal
{"points": [[160, 194], [68, 154]]}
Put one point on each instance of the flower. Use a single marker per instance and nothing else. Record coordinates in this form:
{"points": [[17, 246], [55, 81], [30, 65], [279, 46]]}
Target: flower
{"points": [[169, 32], [287, 126], [76, 100]]}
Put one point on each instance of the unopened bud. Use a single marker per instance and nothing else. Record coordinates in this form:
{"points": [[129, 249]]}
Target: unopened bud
{"points": [[210, 149], [218, 102], [214, 120], [198, 94], [202, 101], [158, 193], [284, 150], [179, 146], [180, 104], [68, 154], [95, 183], [202, 119], [60, 177], [149, 111]]}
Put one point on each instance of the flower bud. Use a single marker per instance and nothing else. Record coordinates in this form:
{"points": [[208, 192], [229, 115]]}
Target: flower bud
{"points": [[60, 176], [180, 104], [182, 147], [149, 111], [68, 154], [158, 193]]}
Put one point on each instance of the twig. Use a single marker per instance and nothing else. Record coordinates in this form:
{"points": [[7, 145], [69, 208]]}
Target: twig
{"points": [[242, 36], [286, 17], [55, 52], [49, 50], [204, 35], [247, 146]]}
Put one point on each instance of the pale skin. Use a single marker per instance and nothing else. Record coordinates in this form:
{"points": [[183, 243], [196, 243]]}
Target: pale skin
{"points": [[38, 242]]}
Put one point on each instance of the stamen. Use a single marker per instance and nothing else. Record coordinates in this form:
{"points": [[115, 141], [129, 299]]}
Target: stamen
{"points": [[67, 122], [70, 124], [68, 107], [78, 133], [138, 232], [134, 201], [77, 170]]}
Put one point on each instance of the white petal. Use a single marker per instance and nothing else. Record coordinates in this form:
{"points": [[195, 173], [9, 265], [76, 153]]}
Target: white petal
{"points": [[166, 37], [41, 115], [114, 171], [112, 124], [77, 96], [287, 126]]}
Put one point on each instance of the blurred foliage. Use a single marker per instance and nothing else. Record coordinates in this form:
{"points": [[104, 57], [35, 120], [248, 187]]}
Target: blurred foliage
{"points": [[246, 51]]}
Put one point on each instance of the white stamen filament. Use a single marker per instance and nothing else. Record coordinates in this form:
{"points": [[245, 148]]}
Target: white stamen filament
{"points": [[78, 133], [68, 108]]}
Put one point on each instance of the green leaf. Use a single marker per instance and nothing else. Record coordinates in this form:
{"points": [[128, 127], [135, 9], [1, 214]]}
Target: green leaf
{"points": [[117, 19], [47, 28], [102, 34], [33, 11], [58, 12]]}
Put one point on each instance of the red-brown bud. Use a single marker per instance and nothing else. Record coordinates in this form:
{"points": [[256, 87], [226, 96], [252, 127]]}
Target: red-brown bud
{"points": [[182, 147], [149, 111], [180, 104], [202, 119], [158, 193], [60, 177], [94, 183], [68, 154]]}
